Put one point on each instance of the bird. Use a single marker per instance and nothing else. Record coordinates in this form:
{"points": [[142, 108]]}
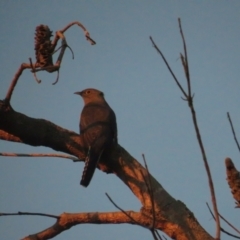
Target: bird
{"points": [[98, 128]]}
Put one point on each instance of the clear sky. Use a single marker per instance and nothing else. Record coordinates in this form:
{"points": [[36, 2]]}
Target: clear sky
{"points": [[151, 117]]}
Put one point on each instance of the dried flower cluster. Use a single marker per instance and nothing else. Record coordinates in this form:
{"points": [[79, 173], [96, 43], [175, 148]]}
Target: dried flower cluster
{"points": [[43, 46], [233, 178]]}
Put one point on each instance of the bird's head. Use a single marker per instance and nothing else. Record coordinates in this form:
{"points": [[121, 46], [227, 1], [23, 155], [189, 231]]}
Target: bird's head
{"points": [[91, 95]]}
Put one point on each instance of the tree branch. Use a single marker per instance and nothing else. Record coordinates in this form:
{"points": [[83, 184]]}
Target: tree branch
{"points": [[68, 220], [172, 217], [233, 131], [189, 99], [74, 159]]}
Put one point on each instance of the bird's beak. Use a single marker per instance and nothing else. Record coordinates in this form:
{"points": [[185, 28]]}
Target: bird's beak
{"points": [[78, 93]]}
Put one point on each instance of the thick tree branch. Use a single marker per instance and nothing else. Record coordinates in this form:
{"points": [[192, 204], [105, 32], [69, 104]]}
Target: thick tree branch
{"points": [[17, 127], [68, 220], [173, 216], [74, 159], [233, 131]]}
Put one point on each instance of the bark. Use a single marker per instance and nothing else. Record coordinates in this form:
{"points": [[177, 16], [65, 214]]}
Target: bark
{"points": [[158, 207]]}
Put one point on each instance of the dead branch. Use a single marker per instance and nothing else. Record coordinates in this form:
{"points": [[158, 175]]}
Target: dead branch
{"points": [[229, 224], [29, 214], [222, 229], [86, 33], [172, 216], [233, 131], [148, 183], [168, 66], [22, 67], [44, 49], [123, 211], [150, 191], [189, 99], [159, 210], [67, 220]]}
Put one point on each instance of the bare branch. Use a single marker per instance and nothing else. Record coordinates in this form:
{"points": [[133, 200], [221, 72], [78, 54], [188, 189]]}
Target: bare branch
{"points": [[18, 127], [150, 192], [233, 131], [185, 59], [86, 33], [22, 67], [225, 220], [169, 68], [222, 229], [153, 234], [28, 213], [128, 215], [33, 71], [39, 155], [200, 142], [68, 220], [44, 53], [189, 99]]}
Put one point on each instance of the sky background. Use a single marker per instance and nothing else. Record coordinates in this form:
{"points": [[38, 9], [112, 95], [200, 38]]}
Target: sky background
{"points": [[151, 117]]}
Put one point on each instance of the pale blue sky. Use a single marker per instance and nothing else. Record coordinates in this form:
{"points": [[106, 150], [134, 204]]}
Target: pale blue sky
{"points": [[151, 116]]}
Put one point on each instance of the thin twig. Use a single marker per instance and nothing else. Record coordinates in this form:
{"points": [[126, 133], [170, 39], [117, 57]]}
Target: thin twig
{"points": [[233, 131], [150, 192], [22, 67], [67, 47], [189, 98], [152, 230], [159, 236], [154, 234], [86, 33], [199, 138], [230, 234], [121, 209], [49, 69], [210, 181], [33, 71], [164, 237], [168, 66], [56, 78], [39, 155], [225, 220], [186, 68], [27, 213]]}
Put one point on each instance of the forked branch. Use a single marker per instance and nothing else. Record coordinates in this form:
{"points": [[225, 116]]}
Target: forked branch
{"points": [[189, 99], [44, 49]]}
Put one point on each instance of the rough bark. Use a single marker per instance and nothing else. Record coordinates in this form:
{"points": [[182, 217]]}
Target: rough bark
{"points": [[171, 216]]}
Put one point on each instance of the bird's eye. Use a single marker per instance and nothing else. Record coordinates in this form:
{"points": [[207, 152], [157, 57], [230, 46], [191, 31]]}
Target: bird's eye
{"points": [[88, 92]]}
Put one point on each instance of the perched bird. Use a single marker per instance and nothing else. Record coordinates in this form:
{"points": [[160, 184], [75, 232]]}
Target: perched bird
{"points": [[99, 130]]}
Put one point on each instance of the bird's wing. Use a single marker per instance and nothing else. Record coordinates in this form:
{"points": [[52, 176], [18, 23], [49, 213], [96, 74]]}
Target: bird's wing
{"points": [[96, 130], [94, 124]]}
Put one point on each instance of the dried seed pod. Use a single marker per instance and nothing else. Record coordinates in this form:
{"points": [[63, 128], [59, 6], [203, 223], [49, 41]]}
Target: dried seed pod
{"points": [[43, 46], [233, 178]]}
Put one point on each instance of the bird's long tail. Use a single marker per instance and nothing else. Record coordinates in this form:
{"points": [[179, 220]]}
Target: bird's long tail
{"points": [[89, 168]]}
